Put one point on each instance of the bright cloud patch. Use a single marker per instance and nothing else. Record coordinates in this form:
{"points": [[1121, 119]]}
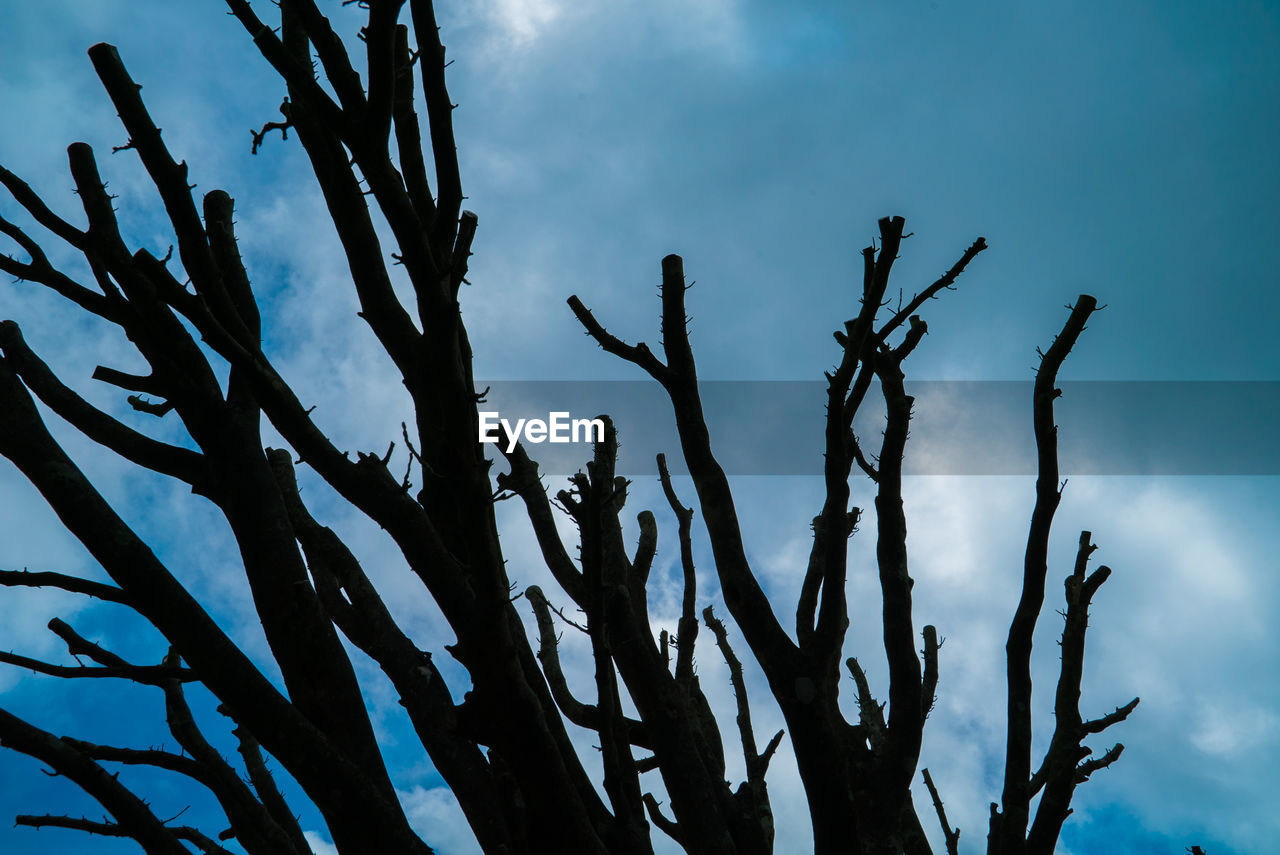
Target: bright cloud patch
{"points": [[435, 815], [319, 845]]}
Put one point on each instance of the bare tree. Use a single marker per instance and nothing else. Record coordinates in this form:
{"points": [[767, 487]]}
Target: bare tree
{"points": [[504, 748]]}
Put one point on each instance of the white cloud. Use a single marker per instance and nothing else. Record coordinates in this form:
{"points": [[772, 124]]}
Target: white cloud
{"points": [[319, 844], [435, 814], [524, 20], [1225, 730], [509, 30]]}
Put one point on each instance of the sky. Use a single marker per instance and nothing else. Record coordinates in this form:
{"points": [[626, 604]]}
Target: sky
{"points": [[1123, 150]]}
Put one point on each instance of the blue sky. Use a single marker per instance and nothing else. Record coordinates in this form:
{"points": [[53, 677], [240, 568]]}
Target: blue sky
{"points": [[1124, 150]]}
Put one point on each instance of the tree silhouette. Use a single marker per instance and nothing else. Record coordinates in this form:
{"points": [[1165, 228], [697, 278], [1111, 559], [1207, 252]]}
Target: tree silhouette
{"points": [[504, 747]]}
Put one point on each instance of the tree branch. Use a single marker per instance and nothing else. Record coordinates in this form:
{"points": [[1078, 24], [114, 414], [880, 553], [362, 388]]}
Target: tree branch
{"points": [[380, 51], [257, 828], [581, 714], [929, 687], [638, 354], [132, 816], [524, 481], [169, 607], [180, 463], [1011, 823], [906, 689], [111, 829], [1059, 774], [949, 834], [946, 281], [74, 584], [755, 774], [40, 270], [1088, 767], [687, 629], [111, 665], [36, 207], [870, 713], [171, 180], [431, 65], [1098, 725], [408, 131]]}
